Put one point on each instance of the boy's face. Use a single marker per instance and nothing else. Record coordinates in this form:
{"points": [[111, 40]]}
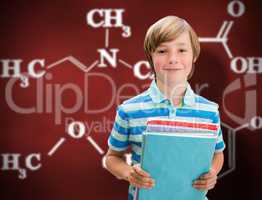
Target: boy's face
{"points": [[173, 60]]}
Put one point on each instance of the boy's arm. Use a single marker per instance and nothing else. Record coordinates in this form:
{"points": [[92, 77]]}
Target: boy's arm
{"points": [[116, 164], [218, 161], [208, 180]]}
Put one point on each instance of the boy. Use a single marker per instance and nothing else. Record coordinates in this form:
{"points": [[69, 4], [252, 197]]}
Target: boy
{"points": [[172, 48]]}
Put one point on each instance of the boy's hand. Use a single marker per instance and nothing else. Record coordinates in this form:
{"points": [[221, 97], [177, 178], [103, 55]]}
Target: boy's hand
{"points": [[139, 178], [206, 181]]}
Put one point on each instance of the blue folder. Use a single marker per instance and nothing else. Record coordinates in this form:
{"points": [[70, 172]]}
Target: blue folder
{"points": [[175, 160]]}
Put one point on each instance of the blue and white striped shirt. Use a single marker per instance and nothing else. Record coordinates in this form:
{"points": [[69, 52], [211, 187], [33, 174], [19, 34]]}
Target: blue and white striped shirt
{"points": [[132, 116]]}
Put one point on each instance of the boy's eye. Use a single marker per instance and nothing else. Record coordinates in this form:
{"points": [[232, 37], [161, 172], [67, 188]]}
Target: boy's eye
{"points": [[161, 51], [182, 50]]}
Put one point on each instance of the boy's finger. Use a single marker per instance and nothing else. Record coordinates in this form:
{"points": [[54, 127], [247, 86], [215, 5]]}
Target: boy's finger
{"points": [[136, 181], [143, 179], [202, 185], [141, 172], [208, 175], [198, 187], [205, 187], [200, 182], [205, 182], [141, 182]]}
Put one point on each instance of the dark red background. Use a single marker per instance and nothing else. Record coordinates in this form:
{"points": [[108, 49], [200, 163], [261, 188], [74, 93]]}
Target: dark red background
{"points": [[52, 30]]}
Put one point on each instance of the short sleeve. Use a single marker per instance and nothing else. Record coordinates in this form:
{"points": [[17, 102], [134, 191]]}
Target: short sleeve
{"points": [[119, 136], [220, 144]]}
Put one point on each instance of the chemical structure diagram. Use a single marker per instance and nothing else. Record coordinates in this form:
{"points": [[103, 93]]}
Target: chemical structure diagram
{"points": [[254, 124], [76, 129]]}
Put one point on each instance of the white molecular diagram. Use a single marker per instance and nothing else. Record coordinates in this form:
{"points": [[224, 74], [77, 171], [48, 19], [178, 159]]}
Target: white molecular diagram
{"points": [[76, 129]]}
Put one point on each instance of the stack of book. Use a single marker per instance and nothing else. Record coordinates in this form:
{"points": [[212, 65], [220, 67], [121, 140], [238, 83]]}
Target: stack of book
{"points": [[175, 153]]}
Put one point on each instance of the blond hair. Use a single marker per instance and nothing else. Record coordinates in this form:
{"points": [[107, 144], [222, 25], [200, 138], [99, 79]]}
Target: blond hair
{"points": [[167, 29]]}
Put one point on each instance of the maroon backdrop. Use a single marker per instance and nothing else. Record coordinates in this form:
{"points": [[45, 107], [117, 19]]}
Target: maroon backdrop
{"points": [[60, 39]]}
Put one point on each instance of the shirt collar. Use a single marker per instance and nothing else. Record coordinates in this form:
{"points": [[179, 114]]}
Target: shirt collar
{"points": [[158, 97]]}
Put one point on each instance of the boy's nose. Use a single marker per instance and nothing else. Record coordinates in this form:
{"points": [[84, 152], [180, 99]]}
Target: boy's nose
{"points": [[173, 59]]}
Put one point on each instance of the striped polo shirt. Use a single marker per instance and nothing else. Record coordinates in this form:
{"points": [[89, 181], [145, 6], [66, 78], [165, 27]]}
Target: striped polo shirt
{"points": [[133, 114]]}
